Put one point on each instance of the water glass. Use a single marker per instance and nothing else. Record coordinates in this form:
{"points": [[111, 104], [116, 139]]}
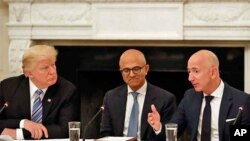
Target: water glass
{"points": [[171, 131], [74, 130]]}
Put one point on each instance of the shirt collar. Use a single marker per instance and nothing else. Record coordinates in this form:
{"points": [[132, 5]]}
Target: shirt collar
{"points": [[33, 88], [218, 92]]}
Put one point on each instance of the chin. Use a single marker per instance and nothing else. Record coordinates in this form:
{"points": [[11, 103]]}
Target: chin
{"points": [[52, 82], [197, 90]]}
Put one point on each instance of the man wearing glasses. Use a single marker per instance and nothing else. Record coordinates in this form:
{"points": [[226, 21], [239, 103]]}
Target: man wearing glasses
{"points": [[127, 106]]}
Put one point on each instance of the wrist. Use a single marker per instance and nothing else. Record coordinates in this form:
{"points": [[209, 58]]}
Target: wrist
{"points": [[158, 130]]}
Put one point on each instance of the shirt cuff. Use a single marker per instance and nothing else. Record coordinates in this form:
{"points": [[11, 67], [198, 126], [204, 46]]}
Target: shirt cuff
{"points": [[159, 131], [19, 134], [21, 124]]}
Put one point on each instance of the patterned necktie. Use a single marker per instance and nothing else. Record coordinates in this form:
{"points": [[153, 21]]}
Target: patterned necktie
{"points": [[206, 120], [133, 121], [37, 111]]}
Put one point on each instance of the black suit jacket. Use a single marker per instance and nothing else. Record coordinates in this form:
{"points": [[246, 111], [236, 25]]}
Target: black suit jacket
{"points": [[60, 105], [187, 114], [115, 107]]}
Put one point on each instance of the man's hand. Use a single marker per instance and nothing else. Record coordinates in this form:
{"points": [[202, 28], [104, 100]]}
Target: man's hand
{"points": [[154, 119], [10, 132], [37, 130]]}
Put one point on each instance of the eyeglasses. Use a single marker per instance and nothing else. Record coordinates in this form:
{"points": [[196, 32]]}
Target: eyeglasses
{"points": [[135, 70]]}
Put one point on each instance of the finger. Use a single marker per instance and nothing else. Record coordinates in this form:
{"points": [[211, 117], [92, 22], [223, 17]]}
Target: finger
{"points": [[149, 114], [32, 133], [40, 133], [35, 134], [45, 131], [148, 119], [153, 108], [151, 123]]}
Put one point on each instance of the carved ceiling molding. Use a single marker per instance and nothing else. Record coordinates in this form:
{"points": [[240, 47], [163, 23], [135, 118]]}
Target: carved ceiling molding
{"points": [[62, 14], [209, 13], [118, 1], [89, 1]]}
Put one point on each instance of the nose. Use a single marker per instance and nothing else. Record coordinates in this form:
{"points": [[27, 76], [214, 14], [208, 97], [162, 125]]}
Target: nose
{"points": [[190, 77], [52, 69], [131, 73]]}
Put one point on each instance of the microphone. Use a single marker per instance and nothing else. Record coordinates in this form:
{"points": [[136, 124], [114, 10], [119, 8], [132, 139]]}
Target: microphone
{"points": [[91, 120], [238, 115], [4, 106]]}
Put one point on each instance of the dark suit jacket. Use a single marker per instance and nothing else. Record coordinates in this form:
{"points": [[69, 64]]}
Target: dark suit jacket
{"points": [[187, 114], [60, 105], [115, 107]]}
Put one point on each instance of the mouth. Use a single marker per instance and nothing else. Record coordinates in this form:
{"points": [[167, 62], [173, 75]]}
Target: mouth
{"points": [[133, 79], [194, 84], [52, 79]]}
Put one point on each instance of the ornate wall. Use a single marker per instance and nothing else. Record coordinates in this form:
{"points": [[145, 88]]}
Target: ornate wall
{"points": [[187, 22]]}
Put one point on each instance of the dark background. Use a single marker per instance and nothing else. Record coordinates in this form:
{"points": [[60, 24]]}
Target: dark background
{"points": [[95, 70]]}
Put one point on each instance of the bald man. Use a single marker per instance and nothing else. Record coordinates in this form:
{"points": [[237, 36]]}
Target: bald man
{"points": [[203, 73], [119, 101]]}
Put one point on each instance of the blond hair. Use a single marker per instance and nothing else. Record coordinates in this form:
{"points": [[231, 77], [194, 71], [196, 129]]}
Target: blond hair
{"points": [[36, 53]]}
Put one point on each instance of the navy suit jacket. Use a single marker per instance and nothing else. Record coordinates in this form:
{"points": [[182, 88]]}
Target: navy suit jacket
{"points": [[187, 114], [60, 105], [115, 107]]}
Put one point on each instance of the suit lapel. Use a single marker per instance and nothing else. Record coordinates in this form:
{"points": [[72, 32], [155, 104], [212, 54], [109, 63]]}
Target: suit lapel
{"points": [[121, 105], [149, 99], [23, 94], [49, 99], [196, 106], [226, 104]]}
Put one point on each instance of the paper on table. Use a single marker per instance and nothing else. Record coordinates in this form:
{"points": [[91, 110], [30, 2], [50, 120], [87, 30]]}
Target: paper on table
{"points": [[65, 139], [117, 139], [5, 138]]}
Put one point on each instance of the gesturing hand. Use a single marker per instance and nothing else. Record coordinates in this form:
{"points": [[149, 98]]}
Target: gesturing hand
{"points": [[154, 119]]}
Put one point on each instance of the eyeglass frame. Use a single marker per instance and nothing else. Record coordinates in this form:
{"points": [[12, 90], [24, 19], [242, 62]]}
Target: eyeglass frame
{"points": [[134, 69]]}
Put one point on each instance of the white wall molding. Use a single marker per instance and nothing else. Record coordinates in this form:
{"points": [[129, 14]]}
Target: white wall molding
{"points": [[16, 50], [217, 21], [62, 14], [247, 68], [138, 21], [129, 20], [162, 20], [216, 14]]}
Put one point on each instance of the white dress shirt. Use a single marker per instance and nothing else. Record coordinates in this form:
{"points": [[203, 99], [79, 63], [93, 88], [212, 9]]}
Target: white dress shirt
{"points": [[215, 110], [33, 88], [130, 101]]}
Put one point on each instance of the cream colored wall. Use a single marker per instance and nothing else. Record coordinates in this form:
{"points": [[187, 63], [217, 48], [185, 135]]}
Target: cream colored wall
{"points": [[4, 40]]}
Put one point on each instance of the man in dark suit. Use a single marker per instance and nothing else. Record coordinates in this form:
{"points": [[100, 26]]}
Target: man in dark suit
{"points": [[119, 102], [203, 70], [58, 102]]}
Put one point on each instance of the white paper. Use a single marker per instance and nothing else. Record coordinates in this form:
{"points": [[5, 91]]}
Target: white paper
{"points": [[114, 139], [5, 138]]}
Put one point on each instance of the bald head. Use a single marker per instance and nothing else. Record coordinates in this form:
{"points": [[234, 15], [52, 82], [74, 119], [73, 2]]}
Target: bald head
{"points": [[203, 71], [134, 62], [132, 55], [207, 57]]}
